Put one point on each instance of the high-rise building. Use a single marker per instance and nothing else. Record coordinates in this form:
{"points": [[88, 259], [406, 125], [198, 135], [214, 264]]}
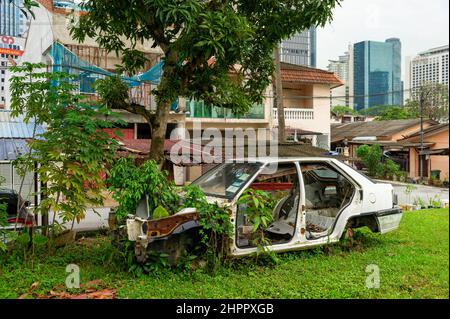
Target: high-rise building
{"points": [[430, 66], [343, 68], [12, 20], [377, 73], [12, 29], [301, 49]]}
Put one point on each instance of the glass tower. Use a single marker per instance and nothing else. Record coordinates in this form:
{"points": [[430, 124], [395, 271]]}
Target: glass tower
{"points": [[300, 49], [377, 73], [12, 21]]}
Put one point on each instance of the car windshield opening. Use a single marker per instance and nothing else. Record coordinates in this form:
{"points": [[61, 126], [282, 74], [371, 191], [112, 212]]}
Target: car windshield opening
{"points": [[227, 180]]}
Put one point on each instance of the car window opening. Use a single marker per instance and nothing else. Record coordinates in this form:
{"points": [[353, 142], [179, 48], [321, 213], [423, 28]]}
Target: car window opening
{"points": [[284, 188], [327, 193], [227, 180]]}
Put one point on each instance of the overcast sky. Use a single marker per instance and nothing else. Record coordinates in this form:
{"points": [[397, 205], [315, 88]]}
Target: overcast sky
{"points": [[420, 25]]}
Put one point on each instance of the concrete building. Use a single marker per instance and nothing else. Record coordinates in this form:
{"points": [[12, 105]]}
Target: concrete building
{"points": [[13, 27], [430, 66], [436, 155], [300, 49], [377, 73], [343, 68], [12, 20], [48, 35]]}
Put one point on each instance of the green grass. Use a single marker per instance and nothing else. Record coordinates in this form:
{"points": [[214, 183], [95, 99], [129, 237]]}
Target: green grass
{"points": [[413, 262]]}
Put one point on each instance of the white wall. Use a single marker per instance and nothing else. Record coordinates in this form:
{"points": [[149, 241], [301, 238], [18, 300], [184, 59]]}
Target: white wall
{"points": [[39, 40]]}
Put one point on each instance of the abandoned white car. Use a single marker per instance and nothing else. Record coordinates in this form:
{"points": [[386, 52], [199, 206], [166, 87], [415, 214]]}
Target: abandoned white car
{"points": [[317, 200]]}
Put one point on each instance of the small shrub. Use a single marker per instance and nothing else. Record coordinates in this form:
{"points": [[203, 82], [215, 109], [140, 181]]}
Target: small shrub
{"points": [[371, 158], [391, 169]]}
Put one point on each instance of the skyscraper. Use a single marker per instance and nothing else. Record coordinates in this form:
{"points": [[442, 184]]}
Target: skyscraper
{"points": [[12, 29], [301, 49], [12, 21], [430, 66], [343, 68], [377, 73]]}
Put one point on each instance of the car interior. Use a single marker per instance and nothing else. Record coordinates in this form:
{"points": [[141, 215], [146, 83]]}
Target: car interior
{"points": [[284, 188], [327, 193]]}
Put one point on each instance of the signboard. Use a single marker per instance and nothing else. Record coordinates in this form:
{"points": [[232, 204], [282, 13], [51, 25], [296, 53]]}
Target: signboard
{"points": [[9, 41], [11, 52]]}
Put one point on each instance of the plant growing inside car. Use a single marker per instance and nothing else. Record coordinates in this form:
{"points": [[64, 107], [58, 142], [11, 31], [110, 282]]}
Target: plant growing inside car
{"points": [[129, 183], [258, 207]]}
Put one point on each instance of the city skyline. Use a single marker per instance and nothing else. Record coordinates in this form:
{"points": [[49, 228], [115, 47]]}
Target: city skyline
{"points": [[377, 20]]}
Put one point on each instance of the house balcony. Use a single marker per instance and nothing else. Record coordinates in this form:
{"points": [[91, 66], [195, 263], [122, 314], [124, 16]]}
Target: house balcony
{"points": [[296, 115], [314, 120], [210, 113]]}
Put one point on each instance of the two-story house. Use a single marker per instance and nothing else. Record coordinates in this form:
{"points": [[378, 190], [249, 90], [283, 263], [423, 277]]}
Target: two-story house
{"points": [[306, 96]]}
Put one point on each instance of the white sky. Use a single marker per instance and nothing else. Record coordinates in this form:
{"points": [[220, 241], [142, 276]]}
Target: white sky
{"points": [[420, 25]]}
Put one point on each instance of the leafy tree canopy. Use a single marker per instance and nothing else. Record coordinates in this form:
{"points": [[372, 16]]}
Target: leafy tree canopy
{"points": [[435, 101], [377, 110], [397, 113], [238, 36]]}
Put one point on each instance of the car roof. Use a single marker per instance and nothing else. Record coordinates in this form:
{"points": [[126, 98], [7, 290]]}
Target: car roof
{"points": [[7, 191], [272, 160]]}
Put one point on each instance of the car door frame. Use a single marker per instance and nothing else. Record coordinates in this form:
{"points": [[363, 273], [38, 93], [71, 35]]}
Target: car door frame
{"points": [[344, 214], [299, 238]]}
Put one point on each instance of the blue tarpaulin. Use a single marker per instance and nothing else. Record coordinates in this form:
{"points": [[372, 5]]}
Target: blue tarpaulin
{"points": [[65, 60]]}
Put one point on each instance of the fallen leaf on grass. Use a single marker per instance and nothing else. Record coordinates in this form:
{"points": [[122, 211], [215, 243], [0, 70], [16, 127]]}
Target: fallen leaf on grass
{"points": [[91, 290], [33, 287]]}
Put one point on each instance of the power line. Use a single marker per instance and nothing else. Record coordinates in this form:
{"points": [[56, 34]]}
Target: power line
{"points": [[342, 97]]}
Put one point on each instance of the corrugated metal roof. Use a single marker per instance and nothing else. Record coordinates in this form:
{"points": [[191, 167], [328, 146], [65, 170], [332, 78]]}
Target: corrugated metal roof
{"points": [[340, 132], [10, 149], [15, 128]]}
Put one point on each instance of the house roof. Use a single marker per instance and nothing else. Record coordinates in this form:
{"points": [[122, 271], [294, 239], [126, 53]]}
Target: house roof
{"points": [[16, 128], [142, 147], [305, 75], [11, 149], [430, 131], [340, 132]]}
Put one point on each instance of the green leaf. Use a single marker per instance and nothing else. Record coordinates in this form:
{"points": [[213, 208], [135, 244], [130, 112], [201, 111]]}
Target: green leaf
{"points": [[160, 212]]}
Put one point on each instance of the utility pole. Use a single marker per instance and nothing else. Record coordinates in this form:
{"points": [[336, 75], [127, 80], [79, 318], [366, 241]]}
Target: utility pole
{"points": [[279, 97], [421, 101]]}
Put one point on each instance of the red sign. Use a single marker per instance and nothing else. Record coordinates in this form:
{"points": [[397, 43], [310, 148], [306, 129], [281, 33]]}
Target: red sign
{"points": [[11, 52], [7, 40]]}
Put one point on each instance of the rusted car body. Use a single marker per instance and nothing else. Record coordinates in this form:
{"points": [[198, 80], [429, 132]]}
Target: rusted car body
{"points": [[317, 199]]}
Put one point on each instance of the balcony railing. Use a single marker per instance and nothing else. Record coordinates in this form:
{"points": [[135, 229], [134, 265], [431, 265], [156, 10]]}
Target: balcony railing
{"points": [[295, 114], [202, 110]]}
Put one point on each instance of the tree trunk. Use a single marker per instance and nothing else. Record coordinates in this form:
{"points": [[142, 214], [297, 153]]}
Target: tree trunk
{"points": [[279, 97], [159, 128], [166, 98]]}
